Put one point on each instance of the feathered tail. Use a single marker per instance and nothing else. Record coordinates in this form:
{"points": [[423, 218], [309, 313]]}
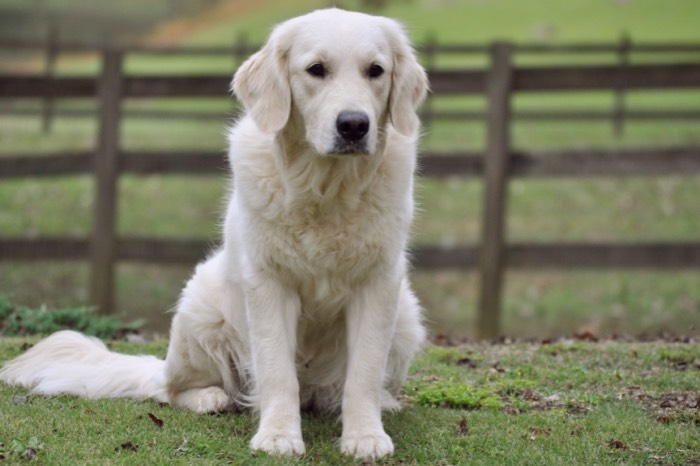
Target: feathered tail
{"points": [[70, 363]]}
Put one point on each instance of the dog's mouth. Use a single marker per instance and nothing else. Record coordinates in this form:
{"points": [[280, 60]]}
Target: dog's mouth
{"points": [[343, 147]]}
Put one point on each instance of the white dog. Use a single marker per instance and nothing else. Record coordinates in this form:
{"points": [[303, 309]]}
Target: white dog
{"points": [[307, 304]]}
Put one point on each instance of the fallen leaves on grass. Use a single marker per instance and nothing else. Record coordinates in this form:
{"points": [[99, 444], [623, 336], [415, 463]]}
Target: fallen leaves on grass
{"points": [[28, 450], [496, 368], [538, 402], [679, 400], [617, 444], [539, 432], [683, 406], [29, 453], [530, 395], [586, 334], [685, 365], [466, 362], [127, 446], [635, 392], [156, 420], [681, 358], [577, 407], [462, 427]]}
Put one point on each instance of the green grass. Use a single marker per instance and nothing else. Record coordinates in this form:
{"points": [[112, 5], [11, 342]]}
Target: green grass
{"points": [[569, 402]]}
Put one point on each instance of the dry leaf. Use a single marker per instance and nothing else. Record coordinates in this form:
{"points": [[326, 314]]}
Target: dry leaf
{"points": [[585, 334], [467, 362], [667, 404], [530, 395], [156, 420], [463, 427], [128, 446], [539, 431], [617, 444], [496, 367]]}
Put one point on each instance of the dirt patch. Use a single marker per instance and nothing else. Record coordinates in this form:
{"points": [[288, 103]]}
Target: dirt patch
{"points": [[175, 31]]}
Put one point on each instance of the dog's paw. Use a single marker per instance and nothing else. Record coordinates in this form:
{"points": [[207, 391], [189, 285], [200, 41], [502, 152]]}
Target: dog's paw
{"points": [[278, 443], [202, 400], [212, 400], [367, 445]]}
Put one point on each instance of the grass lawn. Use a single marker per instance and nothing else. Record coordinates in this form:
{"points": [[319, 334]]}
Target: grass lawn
{"points": [[565, 402]]}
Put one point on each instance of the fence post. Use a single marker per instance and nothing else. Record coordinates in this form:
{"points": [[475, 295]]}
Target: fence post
{"points": [[49, 72], [497, 154], [103, 244], [620, 110], [241, 50]]}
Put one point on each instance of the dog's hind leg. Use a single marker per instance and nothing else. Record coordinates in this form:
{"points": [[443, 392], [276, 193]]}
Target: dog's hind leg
{"points": [[201, 368], [192, 378], [409, 336]]}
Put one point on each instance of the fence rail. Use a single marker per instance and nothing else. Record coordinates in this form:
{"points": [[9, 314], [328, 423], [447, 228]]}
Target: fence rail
{"points": [[559, 163], [589, 255], [443, 82], [497, 165]]}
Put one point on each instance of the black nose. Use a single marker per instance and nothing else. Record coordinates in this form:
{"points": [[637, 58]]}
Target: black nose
{"points": [[352, 126]]}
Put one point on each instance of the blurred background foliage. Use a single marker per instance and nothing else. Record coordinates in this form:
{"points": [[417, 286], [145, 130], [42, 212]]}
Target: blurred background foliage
{"points": [[536, 303]]}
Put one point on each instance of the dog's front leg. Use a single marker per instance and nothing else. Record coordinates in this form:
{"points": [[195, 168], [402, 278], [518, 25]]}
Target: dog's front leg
{"points": [[272, 312], [371, 318]]}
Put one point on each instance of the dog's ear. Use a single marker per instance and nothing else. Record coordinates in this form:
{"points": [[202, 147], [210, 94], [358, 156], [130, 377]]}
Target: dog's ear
{"points": [[262, 85], [409, 82]]}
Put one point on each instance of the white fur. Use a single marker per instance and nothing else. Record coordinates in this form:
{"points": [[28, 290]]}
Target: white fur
{"points": [[307, 303]]}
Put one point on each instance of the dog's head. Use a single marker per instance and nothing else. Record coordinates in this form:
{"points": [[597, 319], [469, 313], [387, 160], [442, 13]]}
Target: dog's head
{"points": [[339, 76]]}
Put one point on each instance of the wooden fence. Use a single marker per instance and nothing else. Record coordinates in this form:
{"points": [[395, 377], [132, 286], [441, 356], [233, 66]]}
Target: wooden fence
{"points": [[497, 165]]}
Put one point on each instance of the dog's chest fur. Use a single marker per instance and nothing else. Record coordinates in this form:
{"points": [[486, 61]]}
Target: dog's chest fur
{"points": [[326, 227], [328, 247]]}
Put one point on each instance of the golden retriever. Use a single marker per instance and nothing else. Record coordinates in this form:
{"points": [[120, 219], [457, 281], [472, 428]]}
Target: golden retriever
{"points": [[307, 303]]}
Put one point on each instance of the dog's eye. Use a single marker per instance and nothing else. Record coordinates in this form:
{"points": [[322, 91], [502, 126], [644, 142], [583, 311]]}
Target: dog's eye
{"points": [[317, 70], [375, 71]]}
